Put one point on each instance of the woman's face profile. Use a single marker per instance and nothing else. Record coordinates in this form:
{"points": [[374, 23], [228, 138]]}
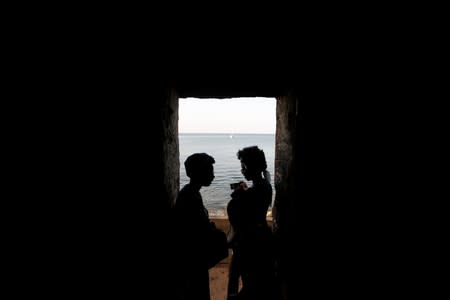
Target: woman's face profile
{"points": [[244, 170]]}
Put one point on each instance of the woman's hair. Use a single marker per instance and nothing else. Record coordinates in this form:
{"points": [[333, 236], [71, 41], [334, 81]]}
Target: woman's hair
{"points": [[253, 158]]}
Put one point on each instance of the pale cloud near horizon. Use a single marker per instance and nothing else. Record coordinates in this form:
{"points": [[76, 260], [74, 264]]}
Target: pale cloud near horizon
{"points": [[232, 115]]}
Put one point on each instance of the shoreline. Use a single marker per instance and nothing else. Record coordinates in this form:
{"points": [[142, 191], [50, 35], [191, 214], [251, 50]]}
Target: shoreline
{"points": [[223, 223]]}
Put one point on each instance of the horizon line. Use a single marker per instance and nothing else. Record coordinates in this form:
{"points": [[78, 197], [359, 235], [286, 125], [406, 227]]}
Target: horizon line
{"points": [[230, 133]]}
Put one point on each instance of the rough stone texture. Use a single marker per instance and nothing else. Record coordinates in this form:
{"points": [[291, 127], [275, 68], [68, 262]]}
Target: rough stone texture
{"points": [[284, 157], [171, 155]]}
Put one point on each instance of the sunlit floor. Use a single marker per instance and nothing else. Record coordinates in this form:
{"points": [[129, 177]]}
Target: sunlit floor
{"points": [[218, 280], [218, 275]]}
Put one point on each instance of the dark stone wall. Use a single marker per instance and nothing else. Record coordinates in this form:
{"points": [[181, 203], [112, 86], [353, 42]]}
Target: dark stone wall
{"points": [[118, 172], [285, 155], [170, 150]]}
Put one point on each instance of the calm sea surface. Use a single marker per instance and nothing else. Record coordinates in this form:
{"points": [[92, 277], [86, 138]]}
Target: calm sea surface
{"points": [[227, 169]]}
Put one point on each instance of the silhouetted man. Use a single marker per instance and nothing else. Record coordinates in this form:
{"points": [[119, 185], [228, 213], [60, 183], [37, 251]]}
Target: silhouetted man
{"points": [[193, 224]]}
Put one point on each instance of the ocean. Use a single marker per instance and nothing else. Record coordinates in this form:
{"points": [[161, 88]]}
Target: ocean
{"points": [[227, 169]]}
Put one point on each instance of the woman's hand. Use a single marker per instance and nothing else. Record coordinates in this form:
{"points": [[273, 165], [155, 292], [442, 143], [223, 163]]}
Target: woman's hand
{"points": [[242, 186]]}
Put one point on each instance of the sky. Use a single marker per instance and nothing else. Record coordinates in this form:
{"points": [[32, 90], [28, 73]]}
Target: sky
{"points": [[232, 115]]}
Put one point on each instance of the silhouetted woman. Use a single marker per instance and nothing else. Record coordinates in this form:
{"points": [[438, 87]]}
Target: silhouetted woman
{"points": [[251, 242], [192, 223]]}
